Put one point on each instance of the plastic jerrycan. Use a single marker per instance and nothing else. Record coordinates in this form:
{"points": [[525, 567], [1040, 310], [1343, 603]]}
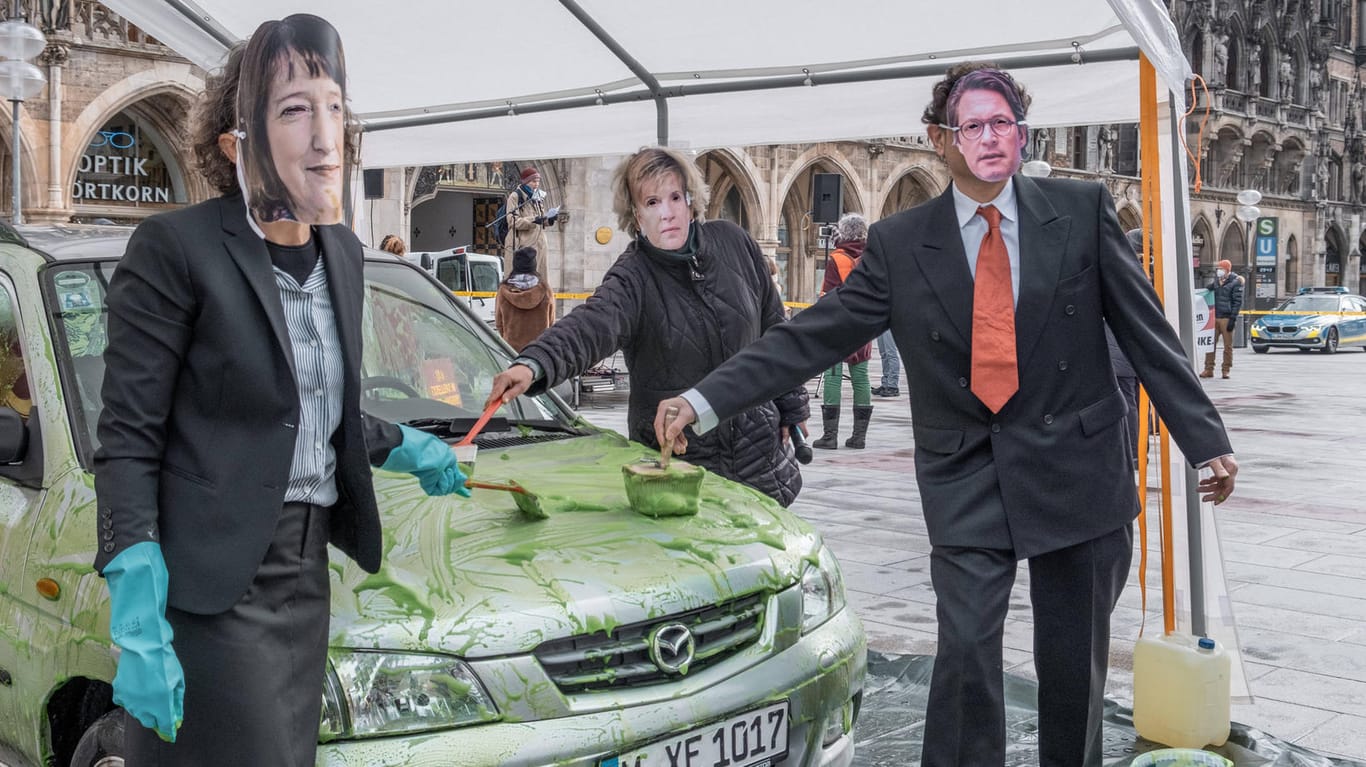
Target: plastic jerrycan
{"points": [[1181, 690]]}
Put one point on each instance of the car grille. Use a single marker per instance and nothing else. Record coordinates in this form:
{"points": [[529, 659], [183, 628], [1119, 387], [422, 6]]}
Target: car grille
{"points": [[597, 662], [1283, 328], [513, 439]]}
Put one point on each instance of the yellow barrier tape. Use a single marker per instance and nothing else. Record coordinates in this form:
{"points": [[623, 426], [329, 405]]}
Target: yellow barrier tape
{"points": [[1308, 314], [487, 294]]}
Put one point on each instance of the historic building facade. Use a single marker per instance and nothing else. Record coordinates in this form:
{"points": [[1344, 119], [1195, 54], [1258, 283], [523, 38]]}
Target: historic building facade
{"points": [[106, 139], [1284, 106]]}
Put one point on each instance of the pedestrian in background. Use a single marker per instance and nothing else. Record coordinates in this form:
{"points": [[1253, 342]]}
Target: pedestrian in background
{"points": [[891, 366], [525, 307], [392, 243], [232, 445], [528, 219], [684, 296], [999, 290], [851, 236], [1228, 301]]}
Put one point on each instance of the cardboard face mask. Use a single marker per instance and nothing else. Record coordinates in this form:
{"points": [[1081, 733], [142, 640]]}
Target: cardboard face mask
{"points": [[291, 110], [982, 115]]}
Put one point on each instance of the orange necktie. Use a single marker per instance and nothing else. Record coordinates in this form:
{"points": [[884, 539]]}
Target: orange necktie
{"points": [[995, 377]]}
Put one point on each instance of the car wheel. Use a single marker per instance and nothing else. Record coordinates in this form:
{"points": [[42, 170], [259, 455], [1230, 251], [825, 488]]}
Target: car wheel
{"points": [[1260, 349], [1330, 341], [102, 743]]}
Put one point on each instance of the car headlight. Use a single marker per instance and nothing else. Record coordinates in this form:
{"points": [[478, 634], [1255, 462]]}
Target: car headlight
{"points": [[822, 590], [369, 693], [1256, 331], [1314, 331]]}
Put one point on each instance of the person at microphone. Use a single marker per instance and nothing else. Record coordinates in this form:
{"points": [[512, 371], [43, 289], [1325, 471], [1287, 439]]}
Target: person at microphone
{"points": [[685, 296], [528, 219]]}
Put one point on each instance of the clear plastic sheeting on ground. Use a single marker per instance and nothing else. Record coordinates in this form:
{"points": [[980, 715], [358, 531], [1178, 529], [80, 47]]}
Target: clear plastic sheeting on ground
{"points": [[892, 722]]}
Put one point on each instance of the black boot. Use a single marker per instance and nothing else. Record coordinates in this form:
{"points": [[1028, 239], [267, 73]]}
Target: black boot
{"points": [[830, 419], [862, 415]]}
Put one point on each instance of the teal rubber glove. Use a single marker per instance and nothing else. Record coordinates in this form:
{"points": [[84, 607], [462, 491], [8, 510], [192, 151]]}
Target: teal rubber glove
{"points": [[149, 683], [430, 460]]}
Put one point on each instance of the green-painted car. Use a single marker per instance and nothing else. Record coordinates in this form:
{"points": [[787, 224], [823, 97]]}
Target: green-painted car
{"points": [[596, 636]]}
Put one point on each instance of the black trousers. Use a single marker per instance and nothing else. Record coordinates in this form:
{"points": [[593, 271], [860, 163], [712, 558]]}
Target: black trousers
{"points": [[1073, 591], [253, 674]]}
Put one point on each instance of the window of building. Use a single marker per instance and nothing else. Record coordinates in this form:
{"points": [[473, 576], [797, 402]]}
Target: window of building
{"points": [[127, 168], [1126, 155]]}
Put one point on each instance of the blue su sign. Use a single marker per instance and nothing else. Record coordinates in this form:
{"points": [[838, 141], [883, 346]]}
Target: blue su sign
{"points": [[1265, 241]]}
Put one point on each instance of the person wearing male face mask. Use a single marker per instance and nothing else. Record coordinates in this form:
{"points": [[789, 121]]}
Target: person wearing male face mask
{"points": [[998, 293], [1228, 301], [232, 444]]}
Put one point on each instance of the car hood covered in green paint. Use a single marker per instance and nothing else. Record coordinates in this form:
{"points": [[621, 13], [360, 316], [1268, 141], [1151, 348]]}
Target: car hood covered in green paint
{"points": [[477, 578]]}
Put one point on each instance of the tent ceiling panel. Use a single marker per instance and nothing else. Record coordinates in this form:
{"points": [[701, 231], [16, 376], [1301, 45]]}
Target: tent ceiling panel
{"points": [[415, 62]]}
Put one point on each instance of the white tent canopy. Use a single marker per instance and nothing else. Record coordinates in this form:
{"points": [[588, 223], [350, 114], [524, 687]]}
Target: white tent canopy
{"points": [[430, 90], [569, 78]]}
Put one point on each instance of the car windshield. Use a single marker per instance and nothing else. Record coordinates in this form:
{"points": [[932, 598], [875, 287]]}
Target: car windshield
{"points": [[425, 363], [1310, 303]]}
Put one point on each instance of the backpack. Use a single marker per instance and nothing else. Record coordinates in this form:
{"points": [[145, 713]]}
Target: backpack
{"points": [[500, 219]]}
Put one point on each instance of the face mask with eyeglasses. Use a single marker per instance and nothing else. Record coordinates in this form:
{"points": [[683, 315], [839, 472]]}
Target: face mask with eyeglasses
{"points": [[973, 129]]}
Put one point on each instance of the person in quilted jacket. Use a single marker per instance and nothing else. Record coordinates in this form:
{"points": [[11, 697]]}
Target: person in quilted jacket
{"points": [[684, 296]]}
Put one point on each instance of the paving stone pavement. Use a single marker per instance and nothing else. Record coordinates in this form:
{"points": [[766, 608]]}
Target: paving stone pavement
{"points": [[1293, 539]]}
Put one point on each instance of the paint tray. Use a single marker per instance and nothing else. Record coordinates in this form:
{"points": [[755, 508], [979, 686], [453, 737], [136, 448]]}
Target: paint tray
{"points": [[663, 492]]}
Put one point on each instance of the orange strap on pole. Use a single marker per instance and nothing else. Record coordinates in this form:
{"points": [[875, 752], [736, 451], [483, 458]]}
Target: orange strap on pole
{"points": [[1152, 244]]}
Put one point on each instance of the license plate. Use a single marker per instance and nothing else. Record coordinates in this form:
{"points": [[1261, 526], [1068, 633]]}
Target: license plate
{"points": [[754, 739]]}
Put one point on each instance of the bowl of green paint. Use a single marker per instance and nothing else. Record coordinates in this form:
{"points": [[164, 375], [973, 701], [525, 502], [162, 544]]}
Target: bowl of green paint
{"points": [[660, 492]]}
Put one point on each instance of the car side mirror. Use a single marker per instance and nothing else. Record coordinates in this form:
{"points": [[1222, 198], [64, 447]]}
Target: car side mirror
{"points": [[13, 436]]}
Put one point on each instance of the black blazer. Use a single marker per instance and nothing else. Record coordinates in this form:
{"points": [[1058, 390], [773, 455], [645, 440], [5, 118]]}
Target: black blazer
{"points": [[200, 404], [1050, 469]]}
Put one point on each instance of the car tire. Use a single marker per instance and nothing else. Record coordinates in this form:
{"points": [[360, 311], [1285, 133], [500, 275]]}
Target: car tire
{"points": [[1260, 349], [102, 743], [1330, 341]]}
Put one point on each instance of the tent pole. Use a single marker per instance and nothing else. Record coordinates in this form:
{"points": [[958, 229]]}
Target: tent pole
{"points": [[1185, 290], [638, 69]]}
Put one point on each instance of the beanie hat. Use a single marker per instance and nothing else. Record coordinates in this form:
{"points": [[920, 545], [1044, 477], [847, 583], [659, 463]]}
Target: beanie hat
{"points": [[529, 173], [1226, 265], [1135, 237], [524, 261]]}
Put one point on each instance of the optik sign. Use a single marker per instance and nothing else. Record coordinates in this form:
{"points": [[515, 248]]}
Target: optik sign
{"points": [[1265, 239]]}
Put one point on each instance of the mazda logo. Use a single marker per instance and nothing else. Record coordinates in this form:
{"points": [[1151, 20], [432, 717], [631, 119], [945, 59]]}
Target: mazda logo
{"points": [[672, 647]]}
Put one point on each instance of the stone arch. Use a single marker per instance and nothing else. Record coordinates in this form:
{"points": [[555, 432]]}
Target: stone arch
{"points": [[163, 102], [797, 253], [908, 185], [1266, 64], [1226, 156], [33, 194], [1233, 75], [1292, 265], [1194, 45], [1299, 60], [1334, 255], [835, 161], [727, 171], [1130, 217], [1202, 242], [1233, 246]]}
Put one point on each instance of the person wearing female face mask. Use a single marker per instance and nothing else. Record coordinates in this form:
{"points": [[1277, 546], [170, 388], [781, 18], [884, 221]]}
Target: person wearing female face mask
{"points": [[686, 295], [232, 444], [1227, 288]]}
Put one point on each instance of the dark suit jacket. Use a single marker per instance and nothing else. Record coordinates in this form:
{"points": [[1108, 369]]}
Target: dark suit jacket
{"points": [[1050, 469], [201, 409]]}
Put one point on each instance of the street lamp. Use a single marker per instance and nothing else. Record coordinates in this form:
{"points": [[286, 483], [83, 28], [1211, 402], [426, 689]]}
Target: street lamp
{"points": [[19, 80], [1247, 213]]}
